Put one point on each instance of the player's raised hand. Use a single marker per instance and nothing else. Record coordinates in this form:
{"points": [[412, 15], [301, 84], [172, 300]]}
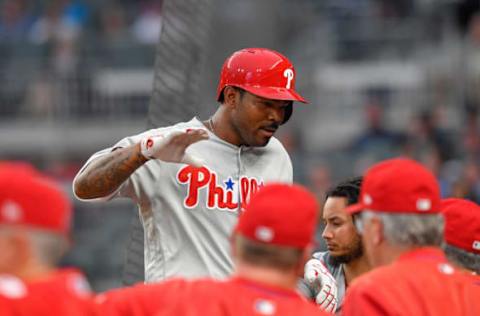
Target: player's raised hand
{"points": [[324, 284], [171, 147]]}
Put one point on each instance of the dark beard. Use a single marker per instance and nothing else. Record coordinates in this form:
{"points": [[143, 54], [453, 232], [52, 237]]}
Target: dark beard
{"points": [[355, 252]]}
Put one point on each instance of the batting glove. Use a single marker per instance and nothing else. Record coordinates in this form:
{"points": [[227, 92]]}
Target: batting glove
{"points": [[171, 147], [323, 283]]}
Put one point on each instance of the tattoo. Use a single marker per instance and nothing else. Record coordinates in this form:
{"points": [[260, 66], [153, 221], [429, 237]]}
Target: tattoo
{"points": [[105, 174]]}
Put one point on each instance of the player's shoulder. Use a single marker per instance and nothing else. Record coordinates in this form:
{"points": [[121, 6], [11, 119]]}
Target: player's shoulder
{"points": [[202, 289], [172, 284], [180, 126], [221, 289], [274, 148], [276, 144], [335, 269], [321, 255], [205, 285], [178, 285], [385, 275], [140, 292], [325, 258]]}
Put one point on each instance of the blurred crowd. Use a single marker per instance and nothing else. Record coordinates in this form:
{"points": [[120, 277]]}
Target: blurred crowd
{"points": [[53, 48], [435, 120], [452, 154]]}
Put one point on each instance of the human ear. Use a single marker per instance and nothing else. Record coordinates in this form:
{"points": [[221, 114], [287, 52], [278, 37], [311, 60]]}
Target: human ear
{"points": [[15, 251], [230, 96], [377, 229]]}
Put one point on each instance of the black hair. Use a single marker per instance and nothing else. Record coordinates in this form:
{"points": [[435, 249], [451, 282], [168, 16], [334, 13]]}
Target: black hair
{"points": [[349, 189]]}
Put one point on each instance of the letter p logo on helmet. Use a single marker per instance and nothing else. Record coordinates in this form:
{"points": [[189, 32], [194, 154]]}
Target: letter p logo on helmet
{"points": [[289, 74]]}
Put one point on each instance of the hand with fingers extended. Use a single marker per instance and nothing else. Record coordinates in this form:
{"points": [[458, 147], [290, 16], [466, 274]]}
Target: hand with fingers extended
{"points": [[323, 283], [171, 147]]}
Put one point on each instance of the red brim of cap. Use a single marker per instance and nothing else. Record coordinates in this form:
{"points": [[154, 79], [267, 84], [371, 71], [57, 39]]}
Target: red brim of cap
{"points": [[355, 208], [283, 94]]}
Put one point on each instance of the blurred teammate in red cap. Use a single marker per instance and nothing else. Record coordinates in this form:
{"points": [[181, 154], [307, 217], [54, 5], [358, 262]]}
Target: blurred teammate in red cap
{"points": [[402, 229], [270, 246], [462, 234], [34, 225]]}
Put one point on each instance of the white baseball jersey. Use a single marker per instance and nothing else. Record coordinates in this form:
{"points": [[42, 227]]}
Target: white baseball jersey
{"points": [[188, 213]]}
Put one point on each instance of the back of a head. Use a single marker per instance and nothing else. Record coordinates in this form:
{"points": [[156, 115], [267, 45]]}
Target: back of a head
{"points": [[407, 197], [278, 222], [31, 199], [33, 204], [462, 232]]}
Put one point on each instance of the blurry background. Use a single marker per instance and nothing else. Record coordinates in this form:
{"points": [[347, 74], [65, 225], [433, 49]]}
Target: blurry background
{"points": [[383, 78]]}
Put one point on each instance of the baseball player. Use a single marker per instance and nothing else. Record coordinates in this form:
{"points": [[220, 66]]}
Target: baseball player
{"points": [[402, 229], [462, 234], [270, 246], [190, 180], [329, 273], [34, 226]]}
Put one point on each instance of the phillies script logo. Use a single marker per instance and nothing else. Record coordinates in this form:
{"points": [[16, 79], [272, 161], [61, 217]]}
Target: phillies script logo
{"points": [[225, 196]]}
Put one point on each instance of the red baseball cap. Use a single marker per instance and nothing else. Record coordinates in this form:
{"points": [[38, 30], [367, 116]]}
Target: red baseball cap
{"points": [[280, 214], [398, 185], [462, 224], [29, 198], [16, 166]]}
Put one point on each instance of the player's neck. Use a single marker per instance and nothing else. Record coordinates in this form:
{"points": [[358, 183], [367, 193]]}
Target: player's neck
{"points": [[219, 125], [385, 254], [33, 271], [355, 268], [267, 276]]}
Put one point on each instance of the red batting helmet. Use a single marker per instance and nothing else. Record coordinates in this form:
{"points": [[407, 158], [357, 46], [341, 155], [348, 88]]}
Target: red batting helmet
{"points": [[262, 72]]}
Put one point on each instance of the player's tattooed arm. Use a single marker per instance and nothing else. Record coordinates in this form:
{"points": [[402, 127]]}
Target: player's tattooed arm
{"points": [[104, 175]]}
